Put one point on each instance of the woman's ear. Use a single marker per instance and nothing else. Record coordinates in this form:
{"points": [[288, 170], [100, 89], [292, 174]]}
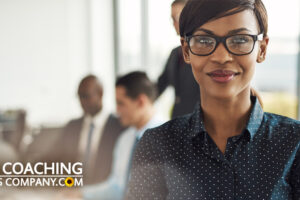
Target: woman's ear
{"points": [[185, 50], [261, 56]]}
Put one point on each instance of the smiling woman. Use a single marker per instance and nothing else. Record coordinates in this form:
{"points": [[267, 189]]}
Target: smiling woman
{"points": [[228, 148], [230, 63]]}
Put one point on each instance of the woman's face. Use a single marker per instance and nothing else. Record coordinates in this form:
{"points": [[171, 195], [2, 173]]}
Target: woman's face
{"points": [[222, 74]]}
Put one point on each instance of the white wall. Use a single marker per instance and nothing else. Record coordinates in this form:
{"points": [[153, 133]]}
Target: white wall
{"points": [[102, 45], [45, 50]]}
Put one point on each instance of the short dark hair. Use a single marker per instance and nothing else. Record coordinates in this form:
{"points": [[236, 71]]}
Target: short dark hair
{"points": [[91, 77], [175, 2], [137, 83], [198, 12]]}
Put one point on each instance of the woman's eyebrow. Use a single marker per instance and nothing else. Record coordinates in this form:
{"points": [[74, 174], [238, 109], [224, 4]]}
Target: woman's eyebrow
{"points": [[206, 31], [237, 31], [232, 32]]}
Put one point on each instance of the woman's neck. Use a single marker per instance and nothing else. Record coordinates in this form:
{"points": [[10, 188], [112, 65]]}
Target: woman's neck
{"points": [[226, 118]]}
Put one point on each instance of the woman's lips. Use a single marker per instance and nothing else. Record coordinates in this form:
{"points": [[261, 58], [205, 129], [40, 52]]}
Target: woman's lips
{"points": [[222, 76]]}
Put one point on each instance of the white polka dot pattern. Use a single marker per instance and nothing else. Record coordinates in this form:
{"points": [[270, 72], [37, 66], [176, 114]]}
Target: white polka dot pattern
{"points": [[179, 160]]}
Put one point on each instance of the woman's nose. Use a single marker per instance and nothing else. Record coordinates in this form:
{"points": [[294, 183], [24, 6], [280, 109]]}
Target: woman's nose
{"points": [[221, 55]]}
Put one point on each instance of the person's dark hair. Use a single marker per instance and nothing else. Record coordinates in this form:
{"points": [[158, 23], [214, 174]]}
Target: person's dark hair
{"points": [[183, 2], [91, 77], [198, 12], [137, 83]]}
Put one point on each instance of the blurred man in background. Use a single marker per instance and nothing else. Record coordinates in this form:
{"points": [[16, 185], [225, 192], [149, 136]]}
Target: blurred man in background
{"points": [[91, 138], [178, 74], [135, 95]]}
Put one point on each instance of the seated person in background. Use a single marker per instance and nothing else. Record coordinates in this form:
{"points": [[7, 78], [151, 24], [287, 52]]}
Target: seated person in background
{"points": [[135, 95], [91, 138]]}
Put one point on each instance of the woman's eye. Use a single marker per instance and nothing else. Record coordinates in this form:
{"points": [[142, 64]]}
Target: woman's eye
{"points": [[239, 40], [205, 41]]}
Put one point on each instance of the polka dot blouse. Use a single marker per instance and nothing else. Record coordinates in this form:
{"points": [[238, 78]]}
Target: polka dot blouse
{"points": [[179, 160]]}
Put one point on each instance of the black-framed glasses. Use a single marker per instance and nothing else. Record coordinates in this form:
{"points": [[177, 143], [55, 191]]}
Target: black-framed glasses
{"points": [[240, 44]]}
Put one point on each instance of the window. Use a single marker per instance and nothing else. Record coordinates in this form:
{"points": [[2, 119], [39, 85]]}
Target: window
{"points": [[276, 77]]}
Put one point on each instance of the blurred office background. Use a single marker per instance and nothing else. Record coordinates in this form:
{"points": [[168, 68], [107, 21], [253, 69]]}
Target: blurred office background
{"points": [[47, 46]]}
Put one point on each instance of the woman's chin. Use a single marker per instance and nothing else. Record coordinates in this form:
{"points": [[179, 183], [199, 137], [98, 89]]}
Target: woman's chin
{"points": [[221, 94], [225, 94]]}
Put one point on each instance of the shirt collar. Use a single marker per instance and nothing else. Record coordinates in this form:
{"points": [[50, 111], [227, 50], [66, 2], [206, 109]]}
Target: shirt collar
{"points": [[97, 119], [256, 117], [155, 121], [197, 122], [254, 122]]}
